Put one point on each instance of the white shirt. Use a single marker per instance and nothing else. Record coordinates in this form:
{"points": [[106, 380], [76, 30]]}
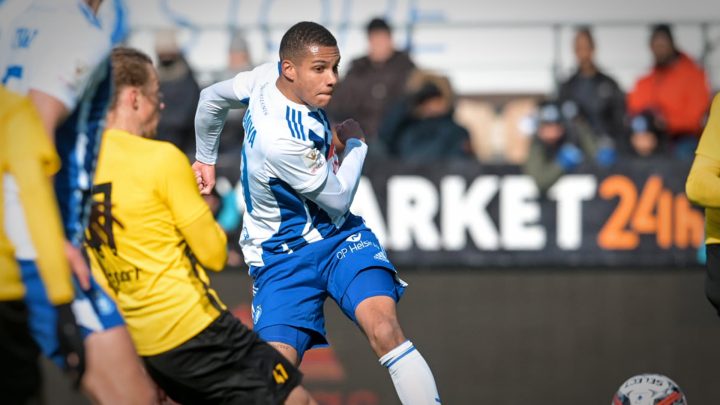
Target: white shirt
{"points": [[56, 47], [285, 172]]}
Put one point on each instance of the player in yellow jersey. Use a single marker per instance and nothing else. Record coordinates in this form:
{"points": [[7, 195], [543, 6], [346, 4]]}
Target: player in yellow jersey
{"points": [[703, 188], [27, 154], [151, 237]]}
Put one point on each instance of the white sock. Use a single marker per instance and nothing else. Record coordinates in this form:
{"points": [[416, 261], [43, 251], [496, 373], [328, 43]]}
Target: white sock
{"points": [[411, 375]]}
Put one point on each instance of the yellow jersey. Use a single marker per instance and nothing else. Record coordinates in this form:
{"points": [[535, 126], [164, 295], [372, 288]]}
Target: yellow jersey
{"points": [[709, 147], [144, 197], [28, 158]]}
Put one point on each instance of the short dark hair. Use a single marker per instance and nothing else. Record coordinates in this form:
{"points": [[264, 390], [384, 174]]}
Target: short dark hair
{"points": [[129, 68], [587, 32], [303, 35], [378, 24], [662, 29]]}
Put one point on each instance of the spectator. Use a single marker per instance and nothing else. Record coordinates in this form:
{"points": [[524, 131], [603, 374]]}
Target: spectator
{"points": [[421, 127], [373, 83], [239, 60], [648, 138], [676, 89], [563, 141], [597, 95], [180, 91]]}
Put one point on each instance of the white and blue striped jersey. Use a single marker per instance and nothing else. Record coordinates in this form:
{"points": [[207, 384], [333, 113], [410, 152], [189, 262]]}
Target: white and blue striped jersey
{"points": [[54, 46], [59, 47], [285, 158]]}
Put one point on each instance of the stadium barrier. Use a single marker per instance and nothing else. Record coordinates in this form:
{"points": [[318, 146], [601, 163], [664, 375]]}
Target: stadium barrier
{"points": [[463, 213]]}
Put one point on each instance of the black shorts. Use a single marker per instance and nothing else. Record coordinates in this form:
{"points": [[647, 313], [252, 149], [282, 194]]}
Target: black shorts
{"points": [[20, 380], [712, 276], [226, 363]]}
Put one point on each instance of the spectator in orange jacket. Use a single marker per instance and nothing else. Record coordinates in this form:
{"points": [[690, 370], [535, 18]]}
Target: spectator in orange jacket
{"points": [[676, 90]]}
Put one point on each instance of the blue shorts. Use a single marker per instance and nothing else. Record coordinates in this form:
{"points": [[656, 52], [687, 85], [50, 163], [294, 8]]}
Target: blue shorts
{"points": [[289, 291], [94, 311]]}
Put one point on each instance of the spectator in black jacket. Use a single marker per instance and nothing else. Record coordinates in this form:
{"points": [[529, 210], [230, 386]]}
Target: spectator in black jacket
{"points": [[180, 93], [373, 83], [421, 128], [597, 95]]}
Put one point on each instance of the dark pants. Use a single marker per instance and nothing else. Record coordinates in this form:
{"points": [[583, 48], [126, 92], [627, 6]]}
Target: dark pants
{"points": [[226, 363], [20, 379], [712, 276]]}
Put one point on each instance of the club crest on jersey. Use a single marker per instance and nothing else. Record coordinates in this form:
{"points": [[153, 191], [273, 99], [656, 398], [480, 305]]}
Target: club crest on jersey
{"points": [[314, 160]]}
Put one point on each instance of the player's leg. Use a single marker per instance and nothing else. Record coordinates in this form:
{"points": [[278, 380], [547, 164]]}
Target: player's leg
{"points": [[299, 396], [712, 276], [292, 342], [112, 364], [365, 285], [288, 351], [287, 308], [52, 327], [371, 298]]}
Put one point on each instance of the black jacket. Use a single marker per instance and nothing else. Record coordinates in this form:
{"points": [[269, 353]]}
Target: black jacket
{"points": [[600, 101], [369, 89]]}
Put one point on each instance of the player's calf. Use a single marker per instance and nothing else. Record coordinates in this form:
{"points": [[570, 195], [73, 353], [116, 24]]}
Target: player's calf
{"points": [[409, 371]]}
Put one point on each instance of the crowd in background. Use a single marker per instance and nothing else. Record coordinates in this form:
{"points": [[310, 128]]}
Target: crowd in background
{"points": [[411, 114]]}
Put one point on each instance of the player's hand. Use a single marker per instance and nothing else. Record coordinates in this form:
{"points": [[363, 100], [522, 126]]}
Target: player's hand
{"points": [[205, 176], [349, 129], [78, 265], [70, 342]]}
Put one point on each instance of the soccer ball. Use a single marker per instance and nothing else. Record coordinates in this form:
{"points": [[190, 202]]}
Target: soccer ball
{"points": [[649, 389]]}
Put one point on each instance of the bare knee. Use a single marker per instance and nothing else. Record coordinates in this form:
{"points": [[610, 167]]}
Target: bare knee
{"points": [[377, 318], [384, 335]]}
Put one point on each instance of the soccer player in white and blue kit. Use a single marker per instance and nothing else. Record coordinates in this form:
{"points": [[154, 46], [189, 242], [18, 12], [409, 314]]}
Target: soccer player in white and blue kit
{"points": [[57, 53], [299, 238]]}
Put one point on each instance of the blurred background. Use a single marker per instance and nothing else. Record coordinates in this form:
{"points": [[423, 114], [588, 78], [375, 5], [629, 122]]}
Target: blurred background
{"points": [[526, 174]]}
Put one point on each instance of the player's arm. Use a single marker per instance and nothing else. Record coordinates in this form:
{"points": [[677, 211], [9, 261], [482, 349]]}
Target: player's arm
{"points": [[52, 111], [55, 96], [308, 173], [207, 241], [703, 183], [213, 106], [192, 216], [33, 161]]}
